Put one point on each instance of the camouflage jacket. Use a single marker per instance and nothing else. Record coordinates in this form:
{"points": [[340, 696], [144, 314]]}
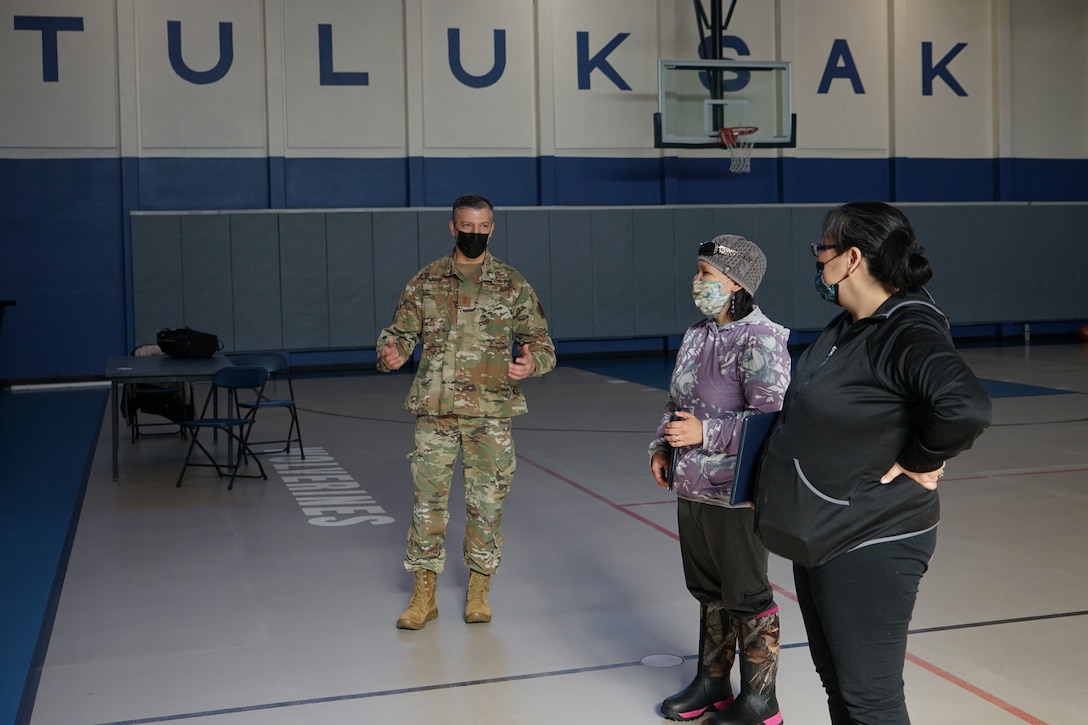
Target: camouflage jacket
{"points": [[468, 332]]}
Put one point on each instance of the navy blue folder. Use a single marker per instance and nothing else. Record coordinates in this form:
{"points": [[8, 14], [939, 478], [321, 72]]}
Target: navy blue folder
{"points": [[753, 435]]}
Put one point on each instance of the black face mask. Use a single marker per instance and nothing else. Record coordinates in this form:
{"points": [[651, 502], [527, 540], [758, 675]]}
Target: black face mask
{"points": [[829, 292], [471, 244]]}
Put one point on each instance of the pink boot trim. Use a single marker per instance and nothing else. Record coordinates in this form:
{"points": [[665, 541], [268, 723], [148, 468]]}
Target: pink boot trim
{"points": [[693, 714]]}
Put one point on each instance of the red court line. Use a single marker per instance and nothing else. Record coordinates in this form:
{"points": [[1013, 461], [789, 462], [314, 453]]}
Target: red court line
{"points": [[914, 659], [599, 497], [627, 511], [978, 692]]}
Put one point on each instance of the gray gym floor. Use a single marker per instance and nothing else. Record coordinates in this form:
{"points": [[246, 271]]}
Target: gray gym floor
{"points": [[198, 604]]}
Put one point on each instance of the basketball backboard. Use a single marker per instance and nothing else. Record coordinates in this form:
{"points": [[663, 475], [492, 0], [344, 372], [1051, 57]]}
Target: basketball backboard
{"points": [[697, 98]]}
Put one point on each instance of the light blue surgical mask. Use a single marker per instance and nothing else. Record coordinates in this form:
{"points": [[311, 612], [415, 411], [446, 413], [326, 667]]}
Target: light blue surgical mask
{"points": [[709, 297]]}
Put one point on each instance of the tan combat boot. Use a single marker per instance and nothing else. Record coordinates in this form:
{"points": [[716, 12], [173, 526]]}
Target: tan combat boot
{"points": [[476, 609], [423, 607]]}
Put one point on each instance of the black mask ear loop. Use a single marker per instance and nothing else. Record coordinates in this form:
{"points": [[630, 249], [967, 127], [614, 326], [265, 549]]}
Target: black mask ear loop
{"points": [[848, 273], [820, 268]]}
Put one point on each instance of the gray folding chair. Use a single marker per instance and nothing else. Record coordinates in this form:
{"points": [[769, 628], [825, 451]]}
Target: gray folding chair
{"points": [[236, 424], [279, 371]]}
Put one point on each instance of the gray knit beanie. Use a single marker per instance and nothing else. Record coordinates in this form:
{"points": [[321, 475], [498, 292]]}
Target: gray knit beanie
{"points": [[735, 256]]}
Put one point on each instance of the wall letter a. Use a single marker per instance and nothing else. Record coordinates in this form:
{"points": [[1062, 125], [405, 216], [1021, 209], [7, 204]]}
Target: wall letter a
{"points": [[840, 64]]}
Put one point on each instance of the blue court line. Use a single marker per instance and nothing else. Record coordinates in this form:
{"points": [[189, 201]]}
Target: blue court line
{"points": [[529, 676], [47, 442], [654, 372], [1004, 389]]}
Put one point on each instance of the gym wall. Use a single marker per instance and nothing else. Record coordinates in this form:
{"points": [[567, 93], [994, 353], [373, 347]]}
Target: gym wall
{"points": [[312, 280], [112, 108]]}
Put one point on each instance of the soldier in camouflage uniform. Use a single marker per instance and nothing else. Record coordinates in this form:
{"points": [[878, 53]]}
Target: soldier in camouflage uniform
{"points": [[468, 309]]}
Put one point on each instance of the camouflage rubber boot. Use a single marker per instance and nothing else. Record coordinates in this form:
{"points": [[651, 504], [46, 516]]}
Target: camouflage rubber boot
{"points": [[758, 670], [476, 609], [423, 607], [710, 689]]}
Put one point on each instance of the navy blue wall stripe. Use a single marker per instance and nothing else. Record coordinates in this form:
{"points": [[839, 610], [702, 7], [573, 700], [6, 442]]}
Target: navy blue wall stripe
{"points": [[270, 183], [130, 199], [1047, 179], [173, 183], [944, 180], [345, 183], [183, 184], [62, 251]]}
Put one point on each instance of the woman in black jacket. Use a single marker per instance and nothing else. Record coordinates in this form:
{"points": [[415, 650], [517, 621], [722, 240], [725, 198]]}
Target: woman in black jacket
{"points": [[847, 490]]}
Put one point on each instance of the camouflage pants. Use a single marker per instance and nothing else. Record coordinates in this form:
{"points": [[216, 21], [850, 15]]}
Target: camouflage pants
{"points": [[488, 464]]}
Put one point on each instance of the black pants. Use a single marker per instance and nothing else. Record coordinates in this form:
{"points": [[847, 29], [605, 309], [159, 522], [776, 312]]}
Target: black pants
{"points": [[857, 609], [724, 560]]}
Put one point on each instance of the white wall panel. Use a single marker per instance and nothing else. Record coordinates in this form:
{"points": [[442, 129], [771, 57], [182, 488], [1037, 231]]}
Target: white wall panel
{"points": [[495, 117], [1049, 78], [944, 124], [229, 114], [366, 38], [604, 116], [77, 110], [852, 35]]}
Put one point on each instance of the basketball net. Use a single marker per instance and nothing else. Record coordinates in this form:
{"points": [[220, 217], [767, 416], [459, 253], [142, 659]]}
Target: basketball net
{"points": [[740, 141]]}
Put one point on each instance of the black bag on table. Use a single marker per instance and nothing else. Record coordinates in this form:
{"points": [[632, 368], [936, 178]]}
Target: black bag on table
{"points": [[187, 342]]}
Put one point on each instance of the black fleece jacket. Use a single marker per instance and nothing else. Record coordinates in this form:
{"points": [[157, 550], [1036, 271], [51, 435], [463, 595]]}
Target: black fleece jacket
{"points": [[888, 388]]}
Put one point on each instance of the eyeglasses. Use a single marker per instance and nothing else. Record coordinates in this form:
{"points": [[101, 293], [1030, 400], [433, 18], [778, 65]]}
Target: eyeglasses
{"points": [[817, 248], [709, 249]]}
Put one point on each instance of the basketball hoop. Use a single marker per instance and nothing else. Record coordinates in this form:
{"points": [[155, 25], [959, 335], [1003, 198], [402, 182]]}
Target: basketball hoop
{"points": [[739, 140]]}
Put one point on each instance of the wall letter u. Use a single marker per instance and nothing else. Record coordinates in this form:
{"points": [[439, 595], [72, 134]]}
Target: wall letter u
{"points": [[487, 79], [226, 54]]}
